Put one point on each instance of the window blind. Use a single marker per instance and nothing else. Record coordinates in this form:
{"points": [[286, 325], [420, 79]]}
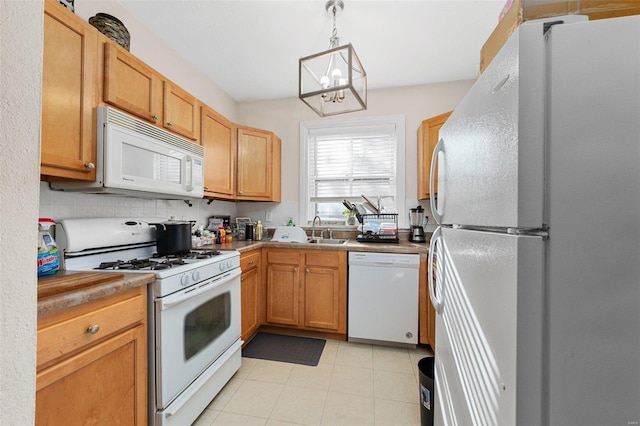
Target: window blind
{"points": [[353, 162]]}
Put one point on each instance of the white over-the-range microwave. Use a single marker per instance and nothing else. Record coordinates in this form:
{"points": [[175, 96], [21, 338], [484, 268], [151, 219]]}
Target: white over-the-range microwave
{"points": [[135, 158]]}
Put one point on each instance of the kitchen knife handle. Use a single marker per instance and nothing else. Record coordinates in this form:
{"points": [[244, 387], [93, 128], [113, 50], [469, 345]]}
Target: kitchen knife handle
{"points": [[437, 214], [437, 303]]}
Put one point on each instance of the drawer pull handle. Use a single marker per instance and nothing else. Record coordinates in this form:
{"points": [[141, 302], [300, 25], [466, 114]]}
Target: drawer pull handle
{"points": [[93, 329]]}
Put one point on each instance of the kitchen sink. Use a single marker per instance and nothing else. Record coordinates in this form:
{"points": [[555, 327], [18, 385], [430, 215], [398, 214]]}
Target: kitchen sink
{"points": [[327, 241]]}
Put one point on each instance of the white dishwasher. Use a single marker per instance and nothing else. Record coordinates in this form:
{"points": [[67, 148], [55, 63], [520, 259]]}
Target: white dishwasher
{"points": [[383, 298]]}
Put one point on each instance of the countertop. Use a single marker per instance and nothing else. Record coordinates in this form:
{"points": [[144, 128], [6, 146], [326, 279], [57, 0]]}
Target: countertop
{"points": [[403, 246], [74, 288]]}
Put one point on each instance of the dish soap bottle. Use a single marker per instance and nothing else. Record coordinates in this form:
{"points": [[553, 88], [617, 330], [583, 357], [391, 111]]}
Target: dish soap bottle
{"points": [[291, 222], [48, 259]]}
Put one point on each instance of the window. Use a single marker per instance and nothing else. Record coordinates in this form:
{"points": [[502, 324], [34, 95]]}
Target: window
{"points": [[345, 159]]}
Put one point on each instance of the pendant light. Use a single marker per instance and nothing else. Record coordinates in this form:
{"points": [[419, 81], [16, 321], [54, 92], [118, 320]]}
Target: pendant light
{"points": [[333, 81]]}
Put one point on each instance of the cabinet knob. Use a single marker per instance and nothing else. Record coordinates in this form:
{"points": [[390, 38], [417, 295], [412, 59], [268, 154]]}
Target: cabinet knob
{"points": [[155, 117], [307, 270], [206, 188], [251, 262], [93, 329], [295, 269], [89, 166], [170, 123], [240, 192]]}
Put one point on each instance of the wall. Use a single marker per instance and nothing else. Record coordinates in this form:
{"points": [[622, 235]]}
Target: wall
{"points": [[67, 205], [283, 116], [20, 78]]}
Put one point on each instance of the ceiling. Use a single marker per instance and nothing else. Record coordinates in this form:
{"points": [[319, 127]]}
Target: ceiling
{"points": [[250, 48]]}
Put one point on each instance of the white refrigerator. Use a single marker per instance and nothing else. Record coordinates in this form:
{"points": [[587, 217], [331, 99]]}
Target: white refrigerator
{"points": [[537, 278]]}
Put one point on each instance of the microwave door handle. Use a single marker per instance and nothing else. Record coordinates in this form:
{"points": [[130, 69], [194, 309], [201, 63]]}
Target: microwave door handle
{"points": [[188, 171]]}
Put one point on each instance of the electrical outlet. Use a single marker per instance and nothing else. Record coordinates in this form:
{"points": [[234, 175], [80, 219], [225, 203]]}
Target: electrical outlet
{"points": [[268, 217]]}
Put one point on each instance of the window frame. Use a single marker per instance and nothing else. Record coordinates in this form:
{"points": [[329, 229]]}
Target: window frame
{"points": [[339, 126]]}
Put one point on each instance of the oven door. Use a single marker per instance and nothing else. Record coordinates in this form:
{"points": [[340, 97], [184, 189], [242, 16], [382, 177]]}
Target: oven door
{"points": [[193, 328]]}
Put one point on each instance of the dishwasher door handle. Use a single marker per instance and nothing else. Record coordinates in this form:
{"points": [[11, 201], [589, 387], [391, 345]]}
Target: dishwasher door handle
{"points": [[384, 263]]}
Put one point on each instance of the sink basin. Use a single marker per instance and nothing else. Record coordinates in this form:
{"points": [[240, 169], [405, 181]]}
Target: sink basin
{"points": [[327, 241]]}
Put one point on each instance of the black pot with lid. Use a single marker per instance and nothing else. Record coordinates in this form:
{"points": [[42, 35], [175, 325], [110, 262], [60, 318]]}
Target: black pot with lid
{"points": [[173, 236]]}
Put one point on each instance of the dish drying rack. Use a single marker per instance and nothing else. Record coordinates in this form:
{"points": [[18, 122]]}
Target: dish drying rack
{"points": [[378, 228]]}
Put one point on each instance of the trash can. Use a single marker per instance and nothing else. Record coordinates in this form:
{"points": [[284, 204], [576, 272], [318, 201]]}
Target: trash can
{"points": [[425, 369]]}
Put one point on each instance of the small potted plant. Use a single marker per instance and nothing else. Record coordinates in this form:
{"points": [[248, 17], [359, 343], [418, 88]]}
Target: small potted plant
{"points": [[351, 219]]}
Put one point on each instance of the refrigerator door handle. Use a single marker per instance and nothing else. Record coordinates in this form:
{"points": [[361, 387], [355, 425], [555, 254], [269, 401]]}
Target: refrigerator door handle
{"points": [[437, 214], [437, 303]]}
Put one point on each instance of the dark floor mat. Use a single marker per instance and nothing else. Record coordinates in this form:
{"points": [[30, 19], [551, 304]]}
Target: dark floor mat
{"points": [[293, 349]]}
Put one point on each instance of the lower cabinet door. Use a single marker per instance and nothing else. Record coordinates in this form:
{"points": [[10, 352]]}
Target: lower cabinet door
{"points": [[105, 384], [283, 294], [249, 296], [321, 298]]}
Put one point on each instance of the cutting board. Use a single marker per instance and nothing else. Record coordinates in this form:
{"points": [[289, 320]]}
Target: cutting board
{"points": [[65, 281]]}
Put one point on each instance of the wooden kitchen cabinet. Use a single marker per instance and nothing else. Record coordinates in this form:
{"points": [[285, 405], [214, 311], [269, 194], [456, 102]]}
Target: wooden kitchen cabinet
{"points": [[428, 136], [69, 96], [283, 287], [250, 292], [134, 87], [312, 300], [94, 378], [427, 312], [181, 111], [325, 289], [259, 165], [218, 139]]}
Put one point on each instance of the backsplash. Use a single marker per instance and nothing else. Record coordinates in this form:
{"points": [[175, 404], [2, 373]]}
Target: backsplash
{"points": [[70, 205]]}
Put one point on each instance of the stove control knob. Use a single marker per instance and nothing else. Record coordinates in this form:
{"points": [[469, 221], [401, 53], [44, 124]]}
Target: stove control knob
{"points": [[195, 275], [229, 264], [221, 266], [184, 280]]}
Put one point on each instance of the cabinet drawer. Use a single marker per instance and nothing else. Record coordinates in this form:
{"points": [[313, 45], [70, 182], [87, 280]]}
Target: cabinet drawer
{"points": [[330, 259], [286, 256], [67, 331], [249, 260]]}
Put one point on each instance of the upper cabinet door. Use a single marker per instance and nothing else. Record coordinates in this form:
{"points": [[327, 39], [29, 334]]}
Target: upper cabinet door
{"points": [[219, 142], [68, 97], [131, 85], [428, 135], [254, 164], [180, 111]]}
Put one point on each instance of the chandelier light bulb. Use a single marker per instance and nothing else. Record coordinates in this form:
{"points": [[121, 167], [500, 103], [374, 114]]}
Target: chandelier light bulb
{"points": [[324, 82], [336, 74]]}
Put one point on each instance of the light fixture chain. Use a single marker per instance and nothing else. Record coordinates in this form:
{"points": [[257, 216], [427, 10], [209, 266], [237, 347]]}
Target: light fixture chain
{"points": [[334, 41]]}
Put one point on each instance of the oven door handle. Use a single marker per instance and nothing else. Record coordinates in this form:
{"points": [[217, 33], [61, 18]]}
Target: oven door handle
{"points": [[198, 289]]}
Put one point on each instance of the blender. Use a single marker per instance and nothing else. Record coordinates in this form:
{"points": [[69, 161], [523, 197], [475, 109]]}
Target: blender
{"points": [[416, 222]]}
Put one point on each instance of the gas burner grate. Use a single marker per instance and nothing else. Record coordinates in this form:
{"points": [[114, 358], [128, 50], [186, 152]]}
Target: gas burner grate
{"points": [[128, 264], [142, 264]]}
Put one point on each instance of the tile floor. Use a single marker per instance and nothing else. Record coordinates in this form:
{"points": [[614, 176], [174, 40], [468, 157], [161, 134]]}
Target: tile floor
{"points": [[353, 384]]}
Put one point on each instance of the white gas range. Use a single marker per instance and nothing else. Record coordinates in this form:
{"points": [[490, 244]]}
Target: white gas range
{"points": [[193, 309]]}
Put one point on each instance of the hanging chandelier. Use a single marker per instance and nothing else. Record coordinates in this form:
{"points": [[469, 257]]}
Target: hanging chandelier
{"points": [[333, 82]]}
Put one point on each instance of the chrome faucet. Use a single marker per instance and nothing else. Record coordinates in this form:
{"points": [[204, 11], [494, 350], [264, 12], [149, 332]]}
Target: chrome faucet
{"points": [[313, 226]]}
